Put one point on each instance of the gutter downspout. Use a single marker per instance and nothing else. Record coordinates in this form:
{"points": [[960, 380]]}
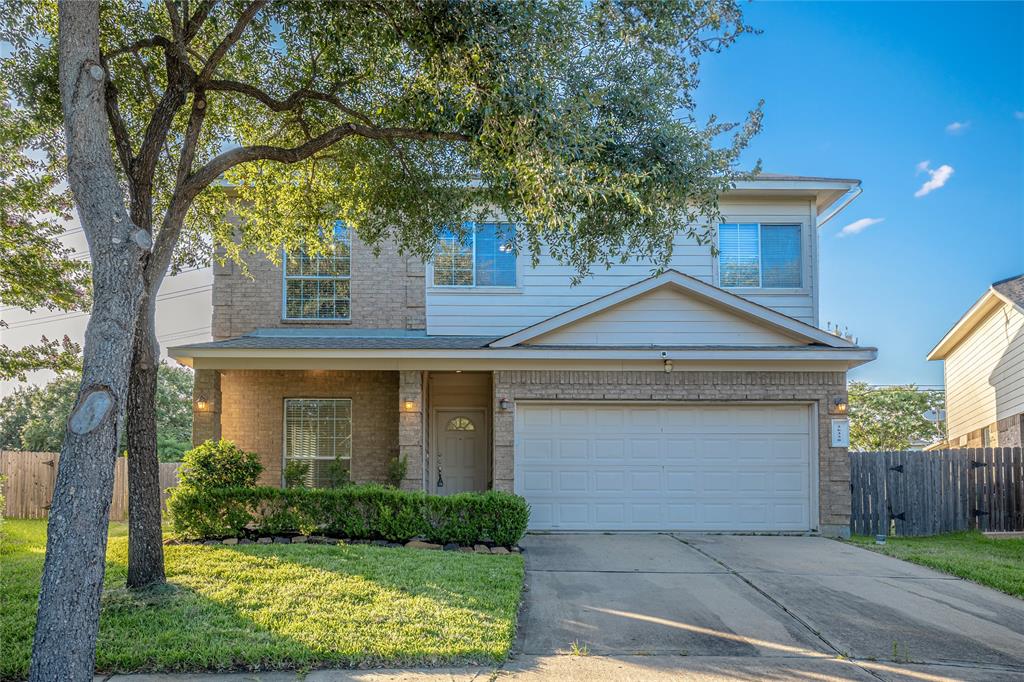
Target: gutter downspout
{"points": [[849, 200]]}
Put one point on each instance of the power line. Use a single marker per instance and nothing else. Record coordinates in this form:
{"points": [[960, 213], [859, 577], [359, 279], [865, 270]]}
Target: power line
{"points": [[169, 296]]}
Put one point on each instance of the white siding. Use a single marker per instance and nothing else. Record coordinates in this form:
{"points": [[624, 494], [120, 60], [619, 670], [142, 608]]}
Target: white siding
{"points": [[545, 290], [664, 317], [985, 373]]}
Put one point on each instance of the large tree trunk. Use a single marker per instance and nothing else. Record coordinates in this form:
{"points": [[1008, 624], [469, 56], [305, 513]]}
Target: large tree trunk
{"points": [[145, 535], [67, 619]]}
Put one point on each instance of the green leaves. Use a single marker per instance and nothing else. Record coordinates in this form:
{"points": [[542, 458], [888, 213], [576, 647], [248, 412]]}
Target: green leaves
{"points": [[354, 512], [891, 417], [574, 119]]}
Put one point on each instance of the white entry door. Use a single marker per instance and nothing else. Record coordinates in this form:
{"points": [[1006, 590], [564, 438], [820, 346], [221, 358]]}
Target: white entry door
{"points": [[461, 444], [666, 467]]}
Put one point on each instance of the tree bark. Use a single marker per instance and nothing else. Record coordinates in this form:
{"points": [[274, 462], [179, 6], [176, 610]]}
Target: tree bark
{"points": [[145, 534], [67, 619]]}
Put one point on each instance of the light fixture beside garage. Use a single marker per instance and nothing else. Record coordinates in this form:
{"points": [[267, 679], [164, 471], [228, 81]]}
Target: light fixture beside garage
{"points": [[504, 404], [668, 366], [839, 406]]}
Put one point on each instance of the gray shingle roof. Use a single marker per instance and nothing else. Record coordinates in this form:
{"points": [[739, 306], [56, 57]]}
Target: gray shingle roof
{"points": [[1012, 288], [304, 342]]}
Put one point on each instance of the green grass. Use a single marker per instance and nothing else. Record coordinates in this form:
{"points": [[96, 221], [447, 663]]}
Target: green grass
{"points": [[260, 607], [995, 563]]}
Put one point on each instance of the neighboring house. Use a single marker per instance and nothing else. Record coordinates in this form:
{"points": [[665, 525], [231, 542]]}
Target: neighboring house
{"points": [[697, 399], [984, 369]]}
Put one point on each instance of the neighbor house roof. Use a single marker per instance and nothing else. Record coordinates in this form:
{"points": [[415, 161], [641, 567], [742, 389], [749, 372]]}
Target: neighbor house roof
{"points": [[1009, 291]]}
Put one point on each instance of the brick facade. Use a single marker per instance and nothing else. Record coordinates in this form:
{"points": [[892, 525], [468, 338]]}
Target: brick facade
{"points": [[252, 414], [1005, 433], [819, 387], [387, 292]]}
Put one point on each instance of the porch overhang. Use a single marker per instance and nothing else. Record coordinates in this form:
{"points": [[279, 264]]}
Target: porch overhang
{"points": [[214, 356]]}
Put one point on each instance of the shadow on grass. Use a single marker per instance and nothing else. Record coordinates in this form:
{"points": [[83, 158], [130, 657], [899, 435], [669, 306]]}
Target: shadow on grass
{"points": [[285, 607]]}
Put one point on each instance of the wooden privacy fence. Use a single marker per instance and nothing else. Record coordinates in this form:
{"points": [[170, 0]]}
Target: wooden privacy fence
{"points": [[30, 479], [941, 491]]}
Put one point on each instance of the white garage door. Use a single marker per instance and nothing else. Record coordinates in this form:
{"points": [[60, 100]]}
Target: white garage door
{"points": [[640, 467]]}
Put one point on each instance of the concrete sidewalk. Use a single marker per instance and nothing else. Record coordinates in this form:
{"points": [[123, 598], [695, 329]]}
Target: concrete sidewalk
{"points": [[626, 669]]}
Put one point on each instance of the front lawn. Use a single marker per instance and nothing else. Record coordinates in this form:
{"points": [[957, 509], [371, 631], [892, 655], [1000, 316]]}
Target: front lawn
{"points": [[277, 606], [995, 563]]}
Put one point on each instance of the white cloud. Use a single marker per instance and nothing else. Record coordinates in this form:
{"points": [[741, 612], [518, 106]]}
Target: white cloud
{"points": [[858, 226], [958, 127], [939, 177], [1019, 115]]}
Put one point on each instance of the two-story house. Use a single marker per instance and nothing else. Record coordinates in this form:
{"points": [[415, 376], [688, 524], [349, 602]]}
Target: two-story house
{"points": [[696, 399], [983, 363]]}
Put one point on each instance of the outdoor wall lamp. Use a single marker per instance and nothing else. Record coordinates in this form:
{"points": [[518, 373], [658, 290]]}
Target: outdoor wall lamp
{"points": [[839, 406], [504, 403], [668, 366], [409, 404], [202, 404]]}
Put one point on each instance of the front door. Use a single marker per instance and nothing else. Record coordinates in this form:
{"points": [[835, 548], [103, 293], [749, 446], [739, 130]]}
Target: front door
{"points": [[460, 456]]}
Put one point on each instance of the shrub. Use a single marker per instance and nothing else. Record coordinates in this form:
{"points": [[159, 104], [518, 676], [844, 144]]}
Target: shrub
{"points": [[397, 469], [355, 511], [219, 464]]}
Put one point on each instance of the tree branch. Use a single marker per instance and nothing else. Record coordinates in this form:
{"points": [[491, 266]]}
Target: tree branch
{"points": [[289, 103], [231, 158], [154, 41], [197, 19], [122, 140], [230, 39]]}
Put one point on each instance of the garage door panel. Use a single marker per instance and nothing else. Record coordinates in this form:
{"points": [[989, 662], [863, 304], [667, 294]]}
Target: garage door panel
{"points": [[692, 467], [573, 449]]}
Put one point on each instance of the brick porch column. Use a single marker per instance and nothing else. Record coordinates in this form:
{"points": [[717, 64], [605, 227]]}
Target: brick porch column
{"points": [[410, 427], [206, 402], [504, 432]]}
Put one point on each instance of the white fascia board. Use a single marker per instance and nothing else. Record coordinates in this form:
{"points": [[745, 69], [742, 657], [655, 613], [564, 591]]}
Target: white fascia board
{"points": [[691, 285], [982, 307], [208, 356]]}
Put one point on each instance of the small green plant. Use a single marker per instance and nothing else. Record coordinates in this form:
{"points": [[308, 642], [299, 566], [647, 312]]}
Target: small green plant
{"points": [[397, 470], [219, 464], [577, 649], [295, 473], [337, 474]]}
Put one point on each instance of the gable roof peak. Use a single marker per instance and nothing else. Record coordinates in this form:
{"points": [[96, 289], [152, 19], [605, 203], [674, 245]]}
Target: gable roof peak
{"points": [[729, 301]]}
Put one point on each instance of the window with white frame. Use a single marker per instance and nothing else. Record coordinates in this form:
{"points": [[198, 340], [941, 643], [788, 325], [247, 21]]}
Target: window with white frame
{"points": [[759, 256], [318, 440], [482, 256], [319, 287]]}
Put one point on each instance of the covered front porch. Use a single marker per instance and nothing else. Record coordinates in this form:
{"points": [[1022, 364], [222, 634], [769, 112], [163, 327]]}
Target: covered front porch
{"points": [[321, 427]]}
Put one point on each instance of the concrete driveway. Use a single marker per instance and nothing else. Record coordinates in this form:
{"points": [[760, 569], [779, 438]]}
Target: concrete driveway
{"points": [[748, 607]]}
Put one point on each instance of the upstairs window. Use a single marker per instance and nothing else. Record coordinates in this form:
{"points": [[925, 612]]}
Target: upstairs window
{"points": [[481, 257], [319, 287], [759, 256]]}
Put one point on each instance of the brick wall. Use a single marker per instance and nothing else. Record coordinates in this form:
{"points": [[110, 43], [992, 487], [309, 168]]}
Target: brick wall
{"points": [[387, 292], [820, 387], [252, 414]]}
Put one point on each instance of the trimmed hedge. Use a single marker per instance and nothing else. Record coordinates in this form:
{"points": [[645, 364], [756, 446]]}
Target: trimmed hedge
{"points": [[356, 512]]}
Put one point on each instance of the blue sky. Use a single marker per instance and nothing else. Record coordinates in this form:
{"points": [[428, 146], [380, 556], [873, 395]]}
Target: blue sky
{"points": [[867, 90]]}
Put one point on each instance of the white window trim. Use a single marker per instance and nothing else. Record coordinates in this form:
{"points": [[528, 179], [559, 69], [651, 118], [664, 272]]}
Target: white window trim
{"points": [[489, 288], [284, 288], [717, 261], [284, 433]]}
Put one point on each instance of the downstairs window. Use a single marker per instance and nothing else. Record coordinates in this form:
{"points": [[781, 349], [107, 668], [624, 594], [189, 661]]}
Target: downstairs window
{"points": [[317, 441]]}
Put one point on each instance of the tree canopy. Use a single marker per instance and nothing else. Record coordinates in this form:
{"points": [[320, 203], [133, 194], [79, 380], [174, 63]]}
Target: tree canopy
{"points": [[892, 417], [573, 119], [35, 418]]}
